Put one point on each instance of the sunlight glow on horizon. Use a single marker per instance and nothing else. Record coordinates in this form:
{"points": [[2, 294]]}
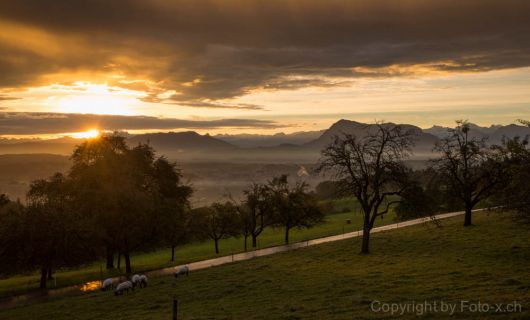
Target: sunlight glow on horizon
{"points": [[93, 133]]}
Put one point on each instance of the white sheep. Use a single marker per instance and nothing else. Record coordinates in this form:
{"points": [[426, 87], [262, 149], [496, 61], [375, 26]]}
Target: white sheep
{"points": [[182, 271], [122, 287], [143, 281], [135, 280], [107, 284]]}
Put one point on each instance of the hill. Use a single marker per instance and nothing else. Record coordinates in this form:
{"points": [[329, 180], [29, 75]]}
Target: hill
{"points": [[486, 263], [18, 170], [423, 141], [164, 142], [259, 140], [62, 146]]}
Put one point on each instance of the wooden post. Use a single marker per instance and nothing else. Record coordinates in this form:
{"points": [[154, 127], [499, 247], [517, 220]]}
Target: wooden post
{"points": [[175, 308]]}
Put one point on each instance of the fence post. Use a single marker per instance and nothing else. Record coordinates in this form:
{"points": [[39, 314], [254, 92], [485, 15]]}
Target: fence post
{"points": [[175, 308]]}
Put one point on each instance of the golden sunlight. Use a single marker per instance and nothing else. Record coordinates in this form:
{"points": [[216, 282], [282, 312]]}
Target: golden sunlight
{"points": [[94, 133], [85, 97]]}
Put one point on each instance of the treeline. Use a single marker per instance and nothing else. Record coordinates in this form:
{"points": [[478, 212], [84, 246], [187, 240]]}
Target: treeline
{"points": [[116, 200]]}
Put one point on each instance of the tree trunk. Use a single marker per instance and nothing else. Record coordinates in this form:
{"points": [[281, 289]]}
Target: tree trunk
{"points": [[110, 258], [287, 235], [127, 262], [216, 246], [172, 253], [365, 249], [467, 216], [254, 241], [43, 274], [119, 260], [246, 242], [50, 276]]}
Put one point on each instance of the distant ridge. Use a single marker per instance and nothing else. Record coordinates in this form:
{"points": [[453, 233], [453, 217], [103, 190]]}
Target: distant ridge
{"points": [[494, 133], [181, 141], [299, 147]]}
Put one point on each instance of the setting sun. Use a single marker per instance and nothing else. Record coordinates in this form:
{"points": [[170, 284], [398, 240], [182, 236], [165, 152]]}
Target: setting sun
{"points": [[94, 133]]}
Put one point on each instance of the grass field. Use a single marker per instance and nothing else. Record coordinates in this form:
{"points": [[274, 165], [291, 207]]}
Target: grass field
{"points": [[487, 262], [334, 224]]}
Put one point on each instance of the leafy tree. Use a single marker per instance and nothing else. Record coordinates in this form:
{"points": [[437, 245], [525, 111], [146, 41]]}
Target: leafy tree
{"points": [[415, 202], [56, 235], [293, 206], [134, 199], [173, 204], [470, 169], [244, 223], [514, 193], [96, 187], [371, 169], [4, 200], [216, 222], [257, 214], [12, 237], [327, 190]]}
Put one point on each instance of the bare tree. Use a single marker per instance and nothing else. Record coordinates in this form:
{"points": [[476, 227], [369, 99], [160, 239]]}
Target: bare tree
{"points": [[371, 169], [470, 168]]}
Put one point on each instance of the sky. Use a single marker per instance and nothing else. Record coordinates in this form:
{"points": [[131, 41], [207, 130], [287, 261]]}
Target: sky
{"points": [[259, 66]]}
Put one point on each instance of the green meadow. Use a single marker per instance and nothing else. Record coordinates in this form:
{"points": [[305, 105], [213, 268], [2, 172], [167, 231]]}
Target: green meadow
{"points": [[486, 263], [335, 223]]}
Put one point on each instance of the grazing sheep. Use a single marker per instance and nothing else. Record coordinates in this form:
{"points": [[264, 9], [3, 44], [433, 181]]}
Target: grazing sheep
{"points": [[135, 280], [107, 284], [122, 287], [143, 281], [182, 271]]}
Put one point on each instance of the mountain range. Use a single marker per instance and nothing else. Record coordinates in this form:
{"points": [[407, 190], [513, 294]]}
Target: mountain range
{"points": [[299, 147]]}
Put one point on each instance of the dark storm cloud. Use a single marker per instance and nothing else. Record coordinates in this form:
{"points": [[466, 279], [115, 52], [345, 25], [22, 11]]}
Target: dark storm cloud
{"points": [[211, 50], [20, 123]]}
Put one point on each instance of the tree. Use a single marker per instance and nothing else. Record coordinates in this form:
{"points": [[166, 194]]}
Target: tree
{"points": [[514, 193], [371, 169], [173, 204], [292, 207], [244, 222], [12, 237], [327, 190], [471, 169], [216, 222], [135, 199], [257, 212], [96, 187], [415, 202], [56, 235]]}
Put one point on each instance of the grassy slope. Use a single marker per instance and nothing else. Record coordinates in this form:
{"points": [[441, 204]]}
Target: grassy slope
{"points": [[196, 251], [488, 262]]}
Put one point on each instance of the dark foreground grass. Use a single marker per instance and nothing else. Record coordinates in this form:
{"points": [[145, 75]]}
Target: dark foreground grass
{"points": [[489, 262]]}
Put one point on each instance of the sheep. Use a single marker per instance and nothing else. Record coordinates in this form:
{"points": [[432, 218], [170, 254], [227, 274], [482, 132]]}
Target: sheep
{"points": [[135, 280], [107, 284], [124, 286], [143, 281], [183, 270]]}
